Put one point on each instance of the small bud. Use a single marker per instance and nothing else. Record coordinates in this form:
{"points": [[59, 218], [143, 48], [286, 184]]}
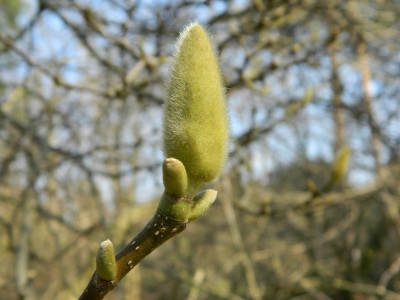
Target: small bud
{"points": [[202, 202], [105, 261], [339, 167], [195, 116], [174, 177]]}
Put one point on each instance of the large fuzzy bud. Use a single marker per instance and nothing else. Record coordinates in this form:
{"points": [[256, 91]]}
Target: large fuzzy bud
{"points": [[195, 116]]}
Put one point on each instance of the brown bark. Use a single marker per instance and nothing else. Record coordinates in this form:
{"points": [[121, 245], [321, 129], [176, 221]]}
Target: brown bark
{"points": [[160, 229]]}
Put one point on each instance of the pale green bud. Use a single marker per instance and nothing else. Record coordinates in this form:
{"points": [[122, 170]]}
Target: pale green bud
{"points": [[202, 202], [195, 116], [340, 165], [174, 177], [105, 261]]}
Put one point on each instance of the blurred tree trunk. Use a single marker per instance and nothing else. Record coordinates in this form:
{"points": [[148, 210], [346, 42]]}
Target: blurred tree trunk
{"points": [[337, 88], [366, 78], [22, 251], [363, 61]]}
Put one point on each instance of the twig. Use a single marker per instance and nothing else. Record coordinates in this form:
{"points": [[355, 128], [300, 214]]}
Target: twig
{"points": [[160, 229]]}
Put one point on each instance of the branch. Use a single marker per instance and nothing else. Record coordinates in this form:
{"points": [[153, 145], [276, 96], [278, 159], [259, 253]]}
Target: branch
{"points": [[196, 142], [160, 229], [174, 212]]}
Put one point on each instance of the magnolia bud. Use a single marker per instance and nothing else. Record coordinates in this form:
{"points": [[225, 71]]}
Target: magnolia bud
{"points": [[105, 261], [340, 165], [195, 116], [174, 177]]}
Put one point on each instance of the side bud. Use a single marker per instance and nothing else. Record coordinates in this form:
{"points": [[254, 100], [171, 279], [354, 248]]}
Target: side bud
{"points": [[201, 204], [105, 261], [195, 117], [339, 168], [340, 165], [174, 177]]}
